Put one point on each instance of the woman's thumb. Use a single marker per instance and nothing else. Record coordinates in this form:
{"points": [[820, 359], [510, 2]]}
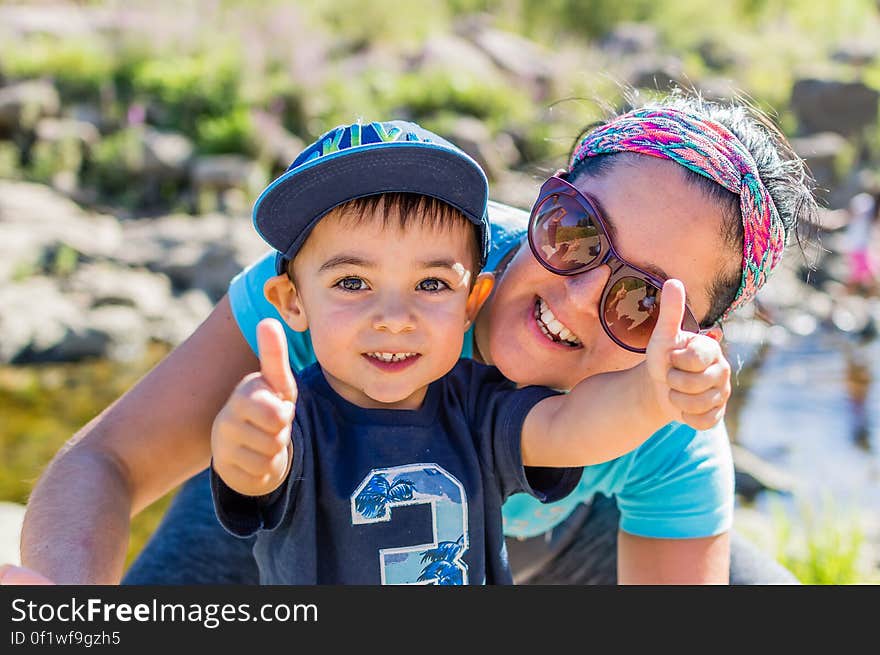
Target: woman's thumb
{"points": [[669, 321]]}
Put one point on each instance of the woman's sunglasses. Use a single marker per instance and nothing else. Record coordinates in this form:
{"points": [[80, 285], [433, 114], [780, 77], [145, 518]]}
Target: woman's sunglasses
{"points": [[568, 236]]}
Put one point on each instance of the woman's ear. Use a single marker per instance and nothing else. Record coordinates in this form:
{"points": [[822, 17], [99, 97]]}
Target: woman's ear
{"points": [[481, 290], [281, 292]]}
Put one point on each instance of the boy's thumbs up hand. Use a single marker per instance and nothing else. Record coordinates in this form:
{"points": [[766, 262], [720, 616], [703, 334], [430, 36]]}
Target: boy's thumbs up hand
{"points": [[690, 375], [274, 364], [250, 438]]}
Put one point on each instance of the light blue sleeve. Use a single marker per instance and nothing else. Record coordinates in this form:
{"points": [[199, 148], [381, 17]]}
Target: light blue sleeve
{"points": [[249, 307], [680, 485]]}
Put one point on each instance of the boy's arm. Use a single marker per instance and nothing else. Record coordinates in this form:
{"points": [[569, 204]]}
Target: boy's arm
{"points": [[684, 377], [602, 418], [147, 442]]}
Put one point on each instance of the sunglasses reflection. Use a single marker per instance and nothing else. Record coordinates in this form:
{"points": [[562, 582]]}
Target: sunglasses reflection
{"points": [[631, 309], [568, 246]]}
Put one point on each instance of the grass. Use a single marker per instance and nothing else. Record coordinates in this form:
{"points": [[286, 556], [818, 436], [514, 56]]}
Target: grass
{"points": [[821, 545]]}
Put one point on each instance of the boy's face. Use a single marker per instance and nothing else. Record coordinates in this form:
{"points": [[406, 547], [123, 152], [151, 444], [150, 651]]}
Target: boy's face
{"points": [[387, 307]]}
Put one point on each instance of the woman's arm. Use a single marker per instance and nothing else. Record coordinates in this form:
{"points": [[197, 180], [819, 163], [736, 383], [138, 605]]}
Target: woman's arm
{"points": [[147, 442], [646, 561]]}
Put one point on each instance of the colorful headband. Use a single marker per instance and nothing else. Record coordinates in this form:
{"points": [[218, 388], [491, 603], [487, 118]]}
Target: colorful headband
{"points": [[710, 149]]}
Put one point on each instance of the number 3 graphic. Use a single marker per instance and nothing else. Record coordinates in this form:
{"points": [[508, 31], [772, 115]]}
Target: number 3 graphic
{"points": [[437, 562]]}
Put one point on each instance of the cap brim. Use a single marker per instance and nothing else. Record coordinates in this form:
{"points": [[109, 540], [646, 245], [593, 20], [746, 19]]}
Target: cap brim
{"points": [[394, 167]]}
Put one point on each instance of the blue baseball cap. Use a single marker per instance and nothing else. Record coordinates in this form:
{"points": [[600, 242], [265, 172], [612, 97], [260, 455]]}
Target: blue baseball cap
{"points": [[359, 160]]}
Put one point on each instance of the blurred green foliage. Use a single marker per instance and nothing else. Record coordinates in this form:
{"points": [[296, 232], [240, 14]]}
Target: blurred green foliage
{"points": [[205, 84], [80, 67], [823, 546], [45, 405]]}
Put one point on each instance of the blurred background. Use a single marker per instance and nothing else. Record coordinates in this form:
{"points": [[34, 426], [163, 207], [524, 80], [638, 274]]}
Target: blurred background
{"points": [[134, 137]]}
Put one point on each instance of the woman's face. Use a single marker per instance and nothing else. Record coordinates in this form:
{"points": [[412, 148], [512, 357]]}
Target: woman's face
{"points": [[660, 222]]}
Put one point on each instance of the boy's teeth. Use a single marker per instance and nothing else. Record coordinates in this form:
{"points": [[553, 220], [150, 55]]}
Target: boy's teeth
{"points": [[551, 326], [391, 357]]}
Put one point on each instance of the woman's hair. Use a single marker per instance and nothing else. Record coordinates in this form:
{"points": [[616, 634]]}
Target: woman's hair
{"points": [[784, 174]]}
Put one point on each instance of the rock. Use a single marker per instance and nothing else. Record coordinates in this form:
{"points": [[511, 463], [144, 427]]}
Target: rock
{"points": [[856, 53], [166, 155], [656, 72], [524, 60], [211, 175], [274, 143], [110, 284], [62, 129], [826, 105], [626, 39], [718, 88], [455, 55], [36, 220], [754, 475], [182, 316], [121, 332], [202, 252], [473, 136], [51, 330], [824, 153], [11, 518], [717, 55], [23, 104], [516, 189]]}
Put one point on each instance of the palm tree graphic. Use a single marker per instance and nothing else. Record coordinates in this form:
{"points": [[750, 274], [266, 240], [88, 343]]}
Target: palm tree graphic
{"points": [[373, 499], [442, 567]]}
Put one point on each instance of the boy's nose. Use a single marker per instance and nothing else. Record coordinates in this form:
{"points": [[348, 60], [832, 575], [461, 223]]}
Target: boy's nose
{"points": [[585, 289], [394, 316]]}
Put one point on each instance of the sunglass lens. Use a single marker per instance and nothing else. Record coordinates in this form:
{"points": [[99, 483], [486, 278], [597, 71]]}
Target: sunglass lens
{"points": [[564, 235], [631, 310]]}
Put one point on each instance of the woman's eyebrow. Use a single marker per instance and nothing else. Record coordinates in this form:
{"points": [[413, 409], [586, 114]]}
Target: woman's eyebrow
{"points": [[653, 269]]}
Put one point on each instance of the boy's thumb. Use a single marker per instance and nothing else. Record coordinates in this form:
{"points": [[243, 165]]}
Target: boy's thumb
{"points": [[671, 311], [274, 364]]}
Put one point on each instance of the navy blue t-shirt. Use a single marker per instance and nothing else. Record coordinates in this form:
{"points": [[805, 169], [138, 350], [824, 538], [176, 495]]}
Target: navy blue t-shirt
{"points": [[384, 496]]}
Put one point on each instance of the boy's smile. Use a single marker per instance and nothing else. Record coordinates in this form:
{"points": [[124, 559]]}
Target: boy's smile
{"points": [[386, 306]]}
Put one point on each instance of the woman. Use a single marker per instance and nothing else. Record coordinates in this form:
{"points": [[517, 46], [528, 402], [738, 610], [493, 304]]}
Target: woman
{"points": [[696, 191]]}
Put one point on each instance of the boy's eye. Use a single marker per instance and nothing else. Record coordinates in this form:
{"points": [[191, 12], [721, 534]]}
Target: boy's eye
{"points": [[352, 284], [432, 284]]}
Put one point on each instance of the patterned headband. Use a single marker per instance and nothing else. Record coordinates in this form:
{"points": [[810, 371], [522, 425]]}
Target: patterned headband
{"points": [[710, 149]]}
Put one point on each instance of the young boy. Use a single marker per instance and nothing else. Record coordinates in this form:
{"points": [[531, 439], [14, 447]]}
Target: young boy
{"points": [[400, 455]]}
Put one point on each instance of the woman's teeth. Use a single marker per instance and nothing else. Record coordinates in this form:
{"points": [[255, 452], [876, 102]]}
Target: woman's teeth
{"points": [[551, 327], [391, 357]]}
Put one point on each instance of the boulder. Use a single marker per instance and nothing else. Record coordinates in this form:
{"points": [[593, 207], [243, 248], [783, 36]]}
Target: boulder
{"points": [[107, 284], [52, 329], [656, 72], [23, 104], [36, 221], [212, 175], [167, 155], [825, 153], [526, 62], [626, 39], [753, 475], [494, 154], [455, 55], [827, 105]]}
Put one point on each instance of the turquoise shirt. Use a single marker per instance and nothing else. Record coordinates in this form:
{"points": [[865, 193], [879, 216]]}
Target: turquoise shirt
{"points": [[677, 484]]}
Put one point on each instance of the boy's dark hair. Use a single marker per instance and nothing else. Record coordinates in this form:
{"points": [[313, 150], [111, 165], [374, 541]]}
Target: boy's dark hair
{"points": [[403, 210]]}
